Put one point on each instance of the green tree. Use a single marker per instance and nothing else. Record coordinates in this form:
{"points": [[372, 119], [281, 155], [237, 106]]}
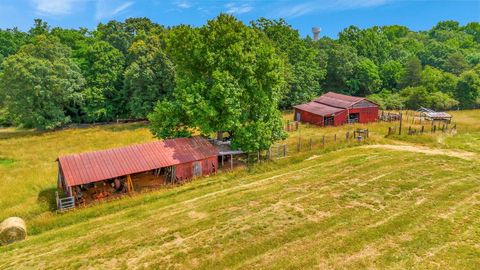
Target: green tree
{"points": [[435, 80], [366, 79], [468, 89], [412, 74], [102, 68], [456, 63], [388, 100], [371, 43], [442, 101], [10, 42], [390, 73], [149, 78], [230, 78], [415, 97], [40, 83], [303, 59], [341, 63]]}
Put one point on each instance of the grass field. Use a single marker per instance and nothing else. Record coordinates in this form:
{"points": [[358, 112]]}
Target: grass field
{"points": [[401, 202]]}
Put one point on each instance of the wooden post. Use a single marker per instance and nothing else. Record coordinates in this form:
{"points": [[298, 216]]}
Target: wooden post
{"points": [[231, 161], [400, 128], [311, 143], [223, 157], [284, 150], [270, 153], [366, 133], [296, 125], [423, 128], [129, 184], [258, 156], [335, 137], [389, 131], [434, 128], [409, 130]]}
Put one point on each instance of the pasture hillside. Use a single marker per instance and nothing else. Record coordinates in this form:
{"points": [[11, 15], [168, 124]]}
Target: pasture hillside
{"points": [[398, 202]]}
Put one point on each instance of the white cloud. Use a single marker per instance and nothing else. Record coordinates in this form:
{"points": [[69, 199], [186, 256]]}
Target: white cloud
{"points": [[54, 7], [313, 6], [238, 9], [183, 4], [107, 9]]}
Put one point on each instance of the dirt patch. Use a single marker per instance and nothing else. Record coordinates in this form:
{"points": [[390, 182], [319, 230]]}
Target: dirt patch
{"points": [[197, 215], [425, 150]]}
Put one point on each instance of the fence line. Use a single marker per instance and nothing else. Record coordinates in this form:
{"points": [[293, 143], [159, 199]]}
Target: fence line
{"points": [[307, 144], [444, 127]]}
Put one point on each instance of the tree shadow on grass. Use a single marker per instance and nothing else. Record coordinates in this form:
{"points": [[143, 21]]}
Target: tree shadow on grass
{"points": [[123, 127], [47, 197], [20, 133]]}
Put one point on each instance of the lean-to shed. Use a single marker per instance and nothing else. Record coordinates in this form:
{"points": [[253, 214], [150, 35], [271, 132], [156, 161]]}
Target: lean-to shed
{"points": [[183, 158]]}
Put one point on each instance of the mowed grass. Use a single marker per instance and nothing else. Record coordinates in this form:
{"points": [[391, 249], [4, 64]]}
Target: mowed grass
{"points": [[343, 206], [354, 208]]}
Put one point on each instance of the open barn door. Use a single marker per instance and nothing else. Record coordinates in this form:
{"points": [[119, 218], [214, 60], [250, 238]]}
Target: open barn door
{"points": [[171, 174]]}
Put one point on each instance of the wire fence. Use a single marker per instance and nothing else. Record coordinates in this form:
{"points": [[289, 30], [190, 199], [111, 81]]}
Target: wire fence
{"points": [[308, 143]]}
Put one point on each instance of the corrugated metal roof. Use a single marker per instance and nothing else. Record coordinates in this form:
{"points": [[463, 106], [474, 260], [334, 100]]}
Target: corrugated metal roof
{"points": [[317, 108], [338, 100], [96, 166], [433, 114]]}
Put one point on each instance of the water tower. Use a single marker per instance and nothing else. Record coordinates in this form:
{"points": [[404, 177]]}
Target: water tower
{"points": [[316, 31]]}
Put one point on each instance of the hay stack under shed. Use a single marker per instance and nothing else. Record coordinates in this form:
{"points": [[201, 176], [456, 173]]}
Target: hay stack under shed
{"points": [[11, 230]]}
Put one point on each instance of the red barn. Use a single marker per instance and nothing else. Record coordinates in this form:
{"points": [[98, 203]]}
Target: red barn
{"points": [[150, 164], [332, 109]]}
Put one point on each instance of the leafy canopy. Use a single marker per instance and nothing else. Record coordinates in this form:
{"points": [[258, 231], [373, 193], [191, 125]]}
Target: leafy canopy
{"points": [[229, 78]]}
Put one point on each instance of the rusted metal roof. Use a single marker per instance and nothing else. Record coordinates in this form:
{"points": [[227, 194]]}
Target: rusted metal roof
{"points": [[96, 166], [433, 114], [319, 109], [338, 100]]}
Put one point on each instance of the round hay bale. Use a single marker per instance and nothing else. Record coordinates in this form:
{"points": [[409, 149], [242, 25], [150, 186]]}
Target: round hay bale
{"points": [[11, 230]]}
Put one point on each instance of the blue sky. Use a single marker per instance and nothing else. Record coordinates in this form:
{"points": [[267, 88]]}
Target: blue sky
{"points": [[331, 15]]}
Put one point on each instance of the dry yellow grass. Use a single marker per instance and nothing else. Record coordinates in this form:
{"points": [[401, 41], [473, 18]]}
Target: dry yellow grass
{"points": [[348, 206]]}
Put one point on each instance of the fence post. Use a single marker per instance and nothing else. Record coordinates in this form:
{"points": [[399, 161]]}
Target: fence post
{"points": [[409, 130], [311, 143], [270, 153], [400, 127], [423, 128], [367, 133], [296, 125], [335, 137], [258, 156], [389, 131], [284, 150]]}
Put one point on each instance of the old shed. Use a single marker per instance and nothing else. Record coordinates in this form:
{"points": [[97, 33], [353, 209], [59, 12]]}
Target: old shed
{"points": [[118, 170], [333, 109]]}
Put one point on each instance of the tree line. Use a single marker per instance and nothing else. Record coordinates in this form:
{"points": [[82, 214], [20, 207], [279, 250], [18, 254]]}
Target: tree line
{"points": [[226, 75]]}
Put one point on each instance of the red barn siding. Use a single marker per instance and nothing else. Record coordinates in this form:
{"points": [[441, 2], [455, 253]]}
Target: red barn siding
{"points": [[367, 115], [338, 105], [340, 118], [185, 171], [309, 117]]}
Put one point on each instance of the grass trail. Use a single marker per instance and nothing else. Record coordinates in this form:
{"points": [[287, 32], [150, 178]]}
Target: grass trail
{"points": [[399, 202], [334, 211]]}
